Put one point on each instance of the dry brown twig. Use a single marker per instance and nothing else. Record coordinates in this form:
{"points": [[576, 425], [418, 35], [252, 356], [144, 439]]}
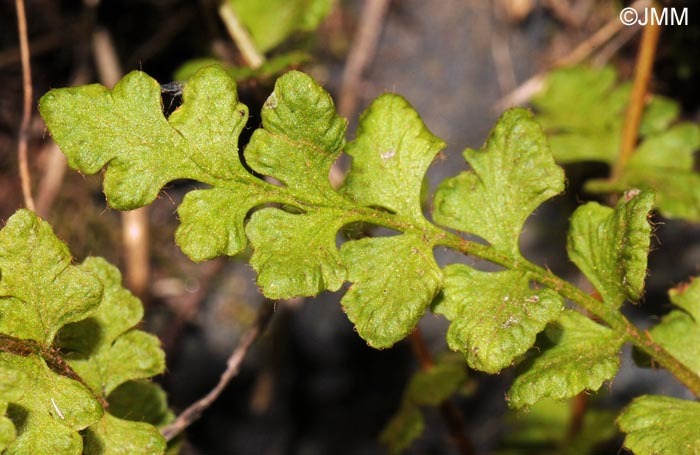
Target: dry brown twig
{"points": [[362, 52], [642, 75], [233, 365], [23, 136], [534, 84]]}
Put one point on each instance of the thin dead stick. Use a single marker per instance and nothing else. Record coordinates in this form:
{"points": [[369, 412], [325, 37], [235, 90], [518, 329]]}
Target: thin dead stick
{"points": [[233, 365], [450, 414], [534, 84], [134, 222], [361, 54], [240, 36], [136, 239], [50, 183], [23, 136], [642, 75]]}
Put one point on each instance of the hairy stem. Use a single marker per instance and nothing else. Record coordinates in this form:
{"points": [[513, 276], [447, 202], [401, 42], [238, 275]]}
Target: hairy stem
{"points": [[233, 365], [645, 62], [613, 318]]}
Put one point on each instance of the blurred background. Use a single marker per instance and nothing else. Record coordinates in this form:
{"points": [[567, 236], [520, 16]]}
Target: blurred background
{"points": [[310, 385]]}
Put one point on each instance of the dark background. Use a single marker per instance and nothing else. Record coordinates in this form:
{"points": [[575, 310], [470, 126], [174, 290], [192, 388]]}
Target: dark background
{"points": [[311, 385]]}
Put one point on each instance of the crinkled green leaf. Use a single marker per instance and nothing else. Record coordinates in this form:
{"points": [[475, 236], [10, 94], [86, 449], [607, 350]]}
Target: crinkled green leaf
{"points": [[658, 116], [273, 21], [297, 143], [543, 429], [7, 429], [134, 355], [11, 379], [143, 401], [671, 150], [598, 101], [125, 130], [584, 355], [495, 316], [677, 194], [664, 163], [52, 413], [610, 246], [426, 388], [104, 349], [511, 175], [394, 280], [679, 331], [40, 290], [592, 130], [573, 147], [212, 221], [406, 425], [687, 297], [140, 401], [111, 354], [10, 391], [99, 348], [302, 136], [390, 156], [657, 425], [296, 254], [437, 384], [114, 436], [118, 312]]}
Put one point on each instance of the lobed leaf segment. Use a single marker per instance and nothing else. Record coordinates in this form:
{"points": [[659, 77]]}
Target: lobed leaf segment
{"points": [[270, 24], [69, 349], [293, 224], [663, 162], [426, 389]]}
